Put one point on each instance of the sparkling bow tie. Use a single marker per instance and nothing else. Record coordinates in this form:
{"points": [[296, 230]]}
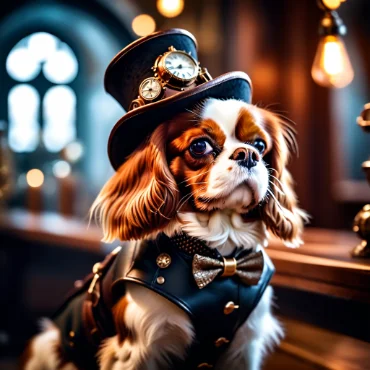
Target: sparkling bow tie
{"points": [[247, 267]]}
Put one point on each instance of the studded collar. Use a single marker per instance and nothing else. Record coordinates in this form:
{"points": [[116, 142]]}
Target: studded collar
{"points": [[191, 246]]}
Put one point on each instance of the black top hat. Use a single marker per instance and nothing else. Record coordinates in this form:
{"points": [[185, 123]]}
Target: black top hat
{"points": [[156, 77]]}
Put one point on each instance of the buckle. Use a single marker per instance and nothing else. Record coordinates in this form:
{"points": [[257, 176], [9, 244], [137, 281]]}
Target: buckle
{"points": [[97, 270]]}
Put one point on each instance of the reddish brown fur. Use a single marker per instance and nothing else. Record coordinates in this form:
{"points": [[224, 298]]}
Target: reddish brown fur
{"points": [[281, 213], [192, 174], [247, 129], [142, 196]]}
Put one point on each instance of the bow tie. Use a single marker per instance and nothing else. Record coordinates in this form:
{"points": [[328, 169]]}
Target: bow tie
{"points": [[247, 267]]}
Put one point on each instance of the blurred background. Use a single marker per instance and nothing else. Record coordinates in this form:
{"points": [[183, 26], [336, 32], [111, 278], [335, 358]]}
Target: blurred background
{"points": [[55, 119]]}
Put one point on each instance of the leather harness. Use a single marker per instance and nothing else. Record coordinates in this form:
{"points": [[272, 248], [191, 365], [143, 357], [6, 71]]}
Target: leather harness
{"points": [[164, 266]]}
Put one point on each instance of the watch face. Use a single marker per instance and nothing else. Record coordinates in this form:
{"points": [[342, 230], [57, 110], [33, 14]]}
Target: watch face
{"points": [[181, 65], [150, 89]]}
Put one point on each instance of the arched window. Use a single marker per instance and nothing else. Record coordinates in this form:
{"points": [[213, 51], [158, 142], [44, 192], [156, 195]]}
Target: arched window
{"points": [[41, 104]]}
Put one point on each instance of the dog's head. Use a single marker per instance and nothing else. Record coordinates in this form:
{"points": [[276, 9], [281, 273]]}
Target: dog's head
{"points": [[223, 155]]}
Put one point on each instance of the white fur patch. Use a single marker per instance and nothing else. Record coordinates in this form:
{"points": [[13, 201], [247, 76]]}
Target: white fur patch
{"points": [[223, 230], [161, 331], [43, 350]]}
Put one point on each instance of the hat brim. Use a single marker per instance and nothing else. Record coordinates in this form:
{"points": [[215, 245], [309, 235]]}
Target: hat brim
{"points": [[135, 126]]}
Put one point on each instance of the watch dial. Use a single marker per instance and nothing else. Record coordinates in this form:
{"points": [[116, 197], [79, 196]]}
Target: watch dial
{"points": [[150, 88], [181, 65]]}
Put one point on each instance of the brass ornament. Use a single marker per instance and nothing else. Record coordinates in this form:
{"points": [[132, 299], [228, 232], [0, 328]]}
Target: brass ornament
{"points": [[229, 267], [163, 260], [230, 307], [178, 77], [361, 223], [248, 268], [361, 226]]}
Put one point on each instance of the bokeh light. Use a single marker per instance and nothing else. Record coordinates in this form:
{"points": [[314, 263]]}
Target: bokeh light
{"points": [[170, 8], [35, 178], [21, 65], [74, 151], [42, 45], [42, 50], [60, 115], [61, 169], [23, 108], [62, 66], [143, 24]]}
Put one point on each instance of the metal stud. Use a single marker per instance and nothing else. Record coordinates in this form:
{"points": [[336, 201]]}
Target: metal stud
{"points": [[160, 280]]}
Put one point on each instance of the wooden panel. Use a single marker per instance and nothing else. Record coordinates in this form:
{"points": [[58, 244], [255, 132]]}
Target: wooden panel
{"points": [[322, 265], [310, 347], [51, 228]]}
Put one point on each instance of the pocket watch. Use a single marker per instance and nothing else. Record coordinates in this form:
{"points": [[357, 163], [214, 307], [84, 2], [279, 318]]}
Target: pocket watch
{"points": [[176, 68]]}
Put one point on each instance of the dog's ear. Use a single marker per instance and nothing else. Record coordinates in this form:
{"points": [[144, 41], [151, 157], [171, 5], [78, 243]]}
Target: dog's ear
{"points": [[142, 197], [281, 213]]}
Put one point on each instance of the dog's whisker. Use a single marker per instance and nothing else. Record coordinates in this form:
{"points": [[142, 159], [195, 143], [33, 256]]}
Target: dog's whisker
{"points": [[277, 202], [189, 178], [281, 184], [188, 196], [277, 189], [196, 183]]}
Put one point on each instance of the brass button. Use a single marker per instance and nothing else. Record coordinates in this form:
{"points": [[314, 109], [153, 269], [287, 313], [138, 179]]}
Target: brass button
{"points": [[230, 307], [160, 280], [205, 365], [71, 334], [163, 260], [221, 341]]}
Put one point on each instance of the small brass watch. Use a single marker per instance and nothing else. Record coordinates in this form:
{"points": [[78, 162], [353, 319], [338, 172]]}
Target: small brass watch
{"points": [[176, 70]]}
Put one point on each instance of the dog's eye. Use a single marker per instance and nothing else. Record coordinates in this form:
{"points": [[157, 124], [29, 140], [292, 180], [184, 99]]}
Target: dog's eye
{"points": [[260, 145], [200, 148]]}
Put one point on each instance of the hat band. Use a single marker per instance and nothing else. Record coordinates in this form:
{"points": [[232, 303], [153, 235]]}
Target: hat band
{"points": [[173, 72]]}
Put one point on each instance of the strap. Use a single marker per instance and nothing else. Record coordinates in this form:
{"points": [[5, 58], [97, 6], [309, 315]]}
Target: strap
{"points": [[96, 309]]}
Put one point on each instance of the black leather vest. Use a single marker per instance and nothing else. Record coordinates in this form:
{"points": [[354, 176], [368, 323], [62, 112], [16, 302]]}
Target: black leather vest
{"points": [[216, 311]]}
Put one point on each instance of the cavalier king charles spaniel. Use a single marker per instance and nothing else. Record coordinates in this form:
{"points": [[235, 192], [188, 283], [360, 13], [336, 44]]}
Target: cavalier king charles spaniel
{"points": [[218, 173]]}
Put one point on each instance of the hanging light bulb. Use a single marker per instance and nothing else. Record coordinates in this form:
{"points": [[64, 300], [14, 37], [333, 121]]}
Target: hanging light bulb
{"points": [[170, 8], [332, 66]]}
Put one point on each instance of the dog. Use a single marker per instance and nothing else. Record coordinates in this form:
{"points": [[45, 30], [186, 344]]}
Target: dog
{"points": [[216, 172]]}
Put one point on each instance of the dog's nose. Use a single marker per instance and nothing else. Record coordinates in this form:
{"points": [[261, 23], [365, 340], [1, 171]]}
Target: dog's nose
{"points": [[246, 157]]}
